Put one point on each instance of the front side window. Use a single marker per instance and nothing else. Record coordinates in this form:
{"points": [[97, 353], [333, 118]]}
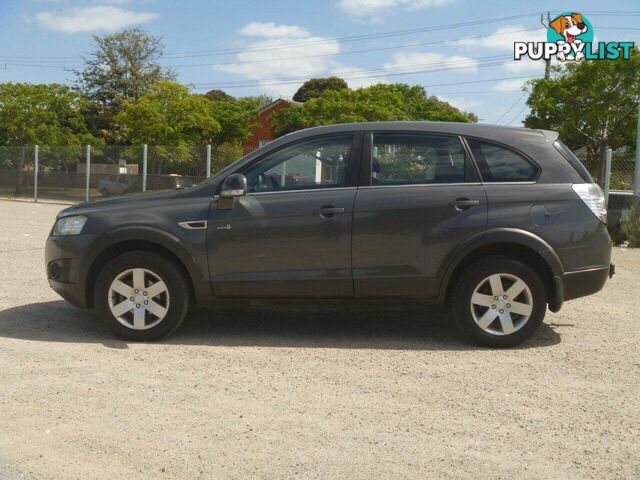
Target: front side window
{"points": [[409, 159], [318, 163], [500, 164]]}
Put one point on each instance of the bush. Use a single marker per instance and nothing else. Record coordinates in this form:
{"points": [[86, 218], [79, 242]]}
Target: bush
{"points": [[631, 227], [618, 237]]}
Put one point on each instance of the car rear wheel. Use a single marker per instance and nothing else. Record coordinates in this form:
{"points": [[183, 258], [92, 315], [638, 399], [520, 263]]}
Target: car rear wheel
{"points": [[141, 296], [499, 302]]}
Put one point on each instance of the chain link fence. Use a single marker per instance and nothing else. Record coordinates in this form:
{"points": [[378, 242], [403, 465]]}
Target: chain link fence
{"points": [[622, 168], [78, 173]]}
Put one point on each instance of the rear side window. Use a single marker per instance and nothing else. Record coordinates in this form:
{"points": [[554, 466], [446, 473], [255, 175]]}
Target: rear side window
{"points": [[573, 161], [500, 164], [411, 159]]}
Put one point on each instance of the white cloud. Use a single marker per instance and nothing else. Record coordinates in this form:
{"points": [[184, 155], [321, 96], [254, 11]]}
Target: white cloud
{"points": [[271, 30], [464, 104], [503, 38], [372, 8], [91, 19], [276, 56], [512, 85], [407, 62]]}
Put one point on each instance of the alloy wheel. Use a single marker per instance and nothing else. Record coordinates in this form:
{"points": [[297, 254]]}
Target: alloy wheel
{"points": [[138, 298], [501, 304]]}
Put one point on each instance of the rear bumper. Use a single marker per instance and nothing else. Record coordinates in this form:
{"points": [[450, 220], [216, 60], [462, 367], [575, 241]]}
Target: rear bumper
{"points": [[584, 282], [579, 284]]}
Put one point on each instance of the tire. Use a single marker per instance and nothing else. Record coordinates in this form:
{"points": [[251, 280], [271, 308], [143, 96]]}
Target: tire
{"points": [[165, 290], [502, 322]]}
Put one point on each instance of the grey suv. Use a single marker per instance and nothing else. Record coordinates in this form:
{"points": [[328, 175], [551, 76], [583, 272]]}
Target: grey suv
{"points": [[495, 222]]}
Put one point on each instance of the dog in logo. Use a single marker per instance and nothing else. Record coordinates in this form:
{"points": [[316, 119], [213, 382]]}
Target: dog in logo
{"points": [[569, 26]]}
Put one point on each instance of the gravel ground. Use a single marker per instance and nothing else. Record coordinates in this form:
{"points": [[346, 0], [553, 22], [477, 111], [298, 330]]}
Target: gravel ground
{"points": [[314, 395]]}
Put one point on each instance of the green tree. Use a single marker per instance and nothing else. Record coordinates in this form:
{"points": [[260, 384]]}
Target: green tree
{"points": [[376, 103], [261, 100], [592, 104], [315, 87], [169, 115], [122, 69], [235, 119], [50, 115], [218, 95]]}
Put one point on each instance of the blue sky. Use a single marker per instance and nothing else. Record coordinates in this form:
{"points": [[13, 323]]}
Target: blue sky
{"points": [[253, 47]]}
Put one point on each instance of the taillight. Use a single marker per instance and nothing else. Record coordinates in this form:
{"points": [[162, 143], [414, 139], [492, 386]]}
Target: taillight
{"points": [[592, 196]]}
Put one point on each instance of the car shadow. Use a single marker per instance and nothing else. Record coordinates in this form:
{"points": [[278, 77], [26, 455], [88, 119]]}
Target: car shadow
{"points": [[58, 321]]}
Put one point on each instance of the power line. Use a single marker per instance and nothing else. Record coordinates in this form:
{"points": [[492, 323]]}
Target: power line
{"points": [[466, 62], [352, 38], [518, 114], [301, 43], [511, 107], [468, 82], [28, 62], [359, 37], [349, 52], [354, 76], [35, 61]]}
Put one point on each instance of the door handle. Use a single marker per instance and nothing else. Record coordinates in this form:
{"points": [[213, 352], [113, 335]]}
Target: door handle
{"points": [[328, 211], [461, 204]]}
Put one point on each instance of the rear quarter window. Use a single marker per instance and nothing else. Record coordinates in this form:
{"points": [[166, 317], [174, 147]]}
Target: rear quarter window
{"points": [[500, 164], [573, 161]]}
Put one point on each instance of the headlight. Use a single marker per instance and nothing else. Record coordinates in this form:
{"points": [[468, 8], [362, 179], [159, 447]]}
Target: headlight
{"points": [[69, 225]]}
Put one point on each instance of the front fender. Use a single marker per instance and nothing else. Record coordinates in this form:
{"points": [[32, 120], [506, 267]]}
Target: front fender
{"points": [[190, 258]]}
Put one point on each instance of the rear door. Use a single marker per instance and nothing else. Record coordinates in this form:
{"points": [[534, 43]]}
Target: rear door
{"points": [[420, 195]]}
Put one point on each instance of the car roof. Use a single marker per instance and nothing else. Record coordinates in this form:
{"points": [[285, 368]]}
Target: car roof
{"points": [[500, 133]]}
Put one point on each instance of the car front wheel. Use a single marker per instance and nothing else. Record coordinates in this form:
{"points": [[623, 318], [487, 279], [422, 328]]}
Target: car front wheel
{"points": [[499, 302], [141, 296]]}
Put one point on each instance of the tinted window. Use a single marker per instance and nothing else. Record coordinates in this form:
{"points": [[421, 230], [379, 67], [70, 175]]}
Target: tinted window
{"points": [[573, 161], [318, 163], [405, 159], [500, 164]]}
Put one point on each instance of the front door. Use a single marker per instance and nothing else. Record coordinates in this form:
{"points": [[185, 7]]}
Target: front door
{"points": [[423, 197], [290, 236]]}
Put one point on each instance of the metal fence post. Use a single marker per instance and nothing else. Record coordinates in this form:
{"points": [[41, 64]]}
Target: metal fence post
{"points": [[86, 196], [144, 167], [607, 176], [636, 177], [208, 161], [35, 173]]}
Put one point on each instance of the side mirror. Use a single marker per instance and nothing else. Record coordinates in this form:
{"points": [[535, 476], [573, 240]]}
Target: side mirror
{"points": [[234, 186]]}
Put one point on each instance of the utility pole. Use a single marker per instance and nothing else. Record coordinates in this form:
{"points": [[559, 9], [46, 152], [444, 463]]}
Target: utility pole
{"points": [[547, 62]]}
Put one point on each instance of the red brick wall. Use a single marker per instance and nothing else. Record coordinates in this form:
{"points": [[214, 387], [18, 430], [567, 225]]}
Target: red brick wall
{"points": [[263, 131]]}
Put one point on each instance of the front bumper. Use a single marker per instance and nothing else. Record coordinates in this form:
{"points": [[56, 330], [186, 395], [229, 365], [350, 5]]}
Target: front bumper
{"points": [[67, 265]]}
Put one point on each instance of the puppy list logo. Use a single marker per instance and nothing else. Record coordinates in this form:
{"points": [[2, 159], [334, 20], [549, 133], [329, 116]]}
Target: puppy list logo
{"points": [[570, 38]]}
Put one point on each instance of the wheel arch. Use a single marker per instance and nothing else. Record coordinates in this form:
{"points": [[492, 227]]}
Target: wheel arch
{"points": [[122, 241], [507, 242]]}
